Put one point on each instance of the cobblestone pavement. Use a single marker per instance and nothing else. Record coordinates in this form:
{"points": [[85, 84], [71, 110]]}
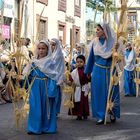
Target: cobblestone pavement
{"points": [[126, 128]]}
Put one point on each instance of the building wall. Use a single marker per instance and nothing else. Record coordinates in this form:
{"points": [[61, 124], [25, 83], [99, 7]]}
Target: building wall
{"points": [[133, 9], [53, 17], [83, 21]]}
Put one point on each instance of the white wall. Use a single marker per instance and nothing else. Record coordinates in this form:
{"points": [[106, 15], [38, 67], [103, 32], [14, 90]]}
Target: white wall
{"points": [[53, 15], [83, 22]]}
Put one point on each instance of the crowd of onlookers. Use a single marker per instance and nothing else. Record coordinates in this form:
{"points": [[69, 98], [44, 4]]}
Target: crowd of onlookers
{"points": [[5, 90], [7, 65]]}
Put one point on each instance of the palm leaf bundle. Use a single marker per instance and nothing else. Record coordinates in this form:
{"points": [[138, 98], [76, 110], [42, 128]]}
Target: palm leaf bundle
{"points": [[68, 89], [116, 58], [17, 59]]}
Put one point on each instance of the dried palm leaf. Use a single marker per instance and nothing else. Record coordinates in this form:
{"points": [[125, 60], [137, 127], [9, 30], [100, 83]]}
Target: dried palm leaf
{"points": [[120, 32]]}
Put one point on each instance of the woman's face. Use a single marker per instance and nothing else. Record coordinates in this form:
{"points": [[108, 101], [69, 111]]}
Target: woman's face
{"points": [[99, 32], [42, 50], [53, 46]]}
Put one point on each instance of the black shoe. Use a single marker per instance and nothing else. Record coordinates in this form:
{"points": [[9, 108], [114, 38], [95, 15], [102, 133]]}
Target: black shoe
{"points": [[49, 132], [134, 95], [32, 133], [8, 101], [112, 117], [85, 117], [79, 118], [127, 95], [99, 122]]}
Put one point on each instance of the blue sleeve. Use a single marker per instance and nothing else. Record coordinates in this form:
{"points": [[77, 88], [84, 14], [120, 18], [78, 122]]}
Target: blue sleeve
{"points": [[90, 62]]}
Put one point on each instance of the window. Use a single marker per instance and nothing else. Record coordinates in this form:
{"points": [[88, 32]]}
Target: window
{"points": [[77, 8], [42, 27], [76, 34], [77, 37], [77, 2], [16, 29], [132, 16], [43, 1], [62, 5], [7, 21], [132, 24], [42, 31], [62, 32], [138, 1]]}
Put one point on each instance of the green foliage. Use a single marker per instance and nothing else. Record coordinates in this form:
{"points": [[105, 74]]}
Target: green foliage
{"points": [[91, 4], [101, 5]]}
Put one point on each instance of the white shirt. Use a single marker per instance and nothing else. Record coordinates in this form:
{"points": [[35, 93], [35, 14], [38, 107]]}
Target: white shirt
{"points": [[130, 61]]}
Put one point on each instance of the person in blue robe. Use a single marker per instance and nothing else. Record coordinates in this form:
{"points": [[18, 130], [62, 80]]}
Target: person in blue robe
{"points": [[42, 97], [99, 64], [130, 59], [59, 62]]}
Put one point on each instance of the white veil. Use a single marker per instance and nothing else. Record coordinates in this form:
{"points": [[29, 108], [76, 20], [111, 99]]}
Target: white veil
{"points": [[58, 60], [105, 50], [44, 64]]}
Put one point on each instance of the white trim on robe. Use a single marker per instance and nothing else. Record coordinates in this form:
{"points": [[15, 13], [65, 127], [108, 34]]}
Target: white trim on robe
{"points": [[79, 88]]}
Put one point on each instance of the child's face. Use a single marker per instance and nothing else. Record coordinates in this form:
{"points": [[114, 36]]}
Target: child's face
{"points": [[42, 50], [80, 63], [78, 49]]}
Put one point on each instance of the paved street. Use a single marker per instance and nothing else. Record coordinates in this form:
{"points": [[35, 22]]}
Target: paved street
{"points": [[127, 128]]}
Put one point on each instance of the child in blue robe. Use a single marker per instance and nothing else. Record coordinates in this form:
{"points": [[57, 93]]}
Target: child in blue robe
{"points": [[42, 98], [59, 63], [129, 85]]}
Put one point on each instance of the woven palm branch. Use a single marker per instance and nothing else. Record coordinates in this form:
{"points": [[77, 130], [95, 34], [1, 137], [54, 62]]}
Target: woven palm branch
{"points": [[15, 77], [121, 31], [68, 90]]}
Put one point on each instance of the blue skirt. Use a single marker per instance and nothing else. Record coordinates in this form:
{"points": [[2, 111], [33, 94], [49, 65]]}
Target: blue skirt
{"points": [[99, 93], [129, 84]]}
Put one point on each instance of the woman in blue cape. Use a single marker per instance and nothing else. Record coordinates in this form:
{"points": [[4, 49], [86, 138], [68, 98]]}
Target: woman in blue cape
{"points": [[42, 98], [99, 64], [59, 62], [130, 58]]}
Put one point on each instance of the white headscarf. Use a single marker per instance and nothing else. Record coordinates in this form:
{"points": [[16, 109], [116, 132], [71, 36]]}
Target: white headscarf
{"points": [[130, 59], [44, 64], [58, 60], [105, 50]]}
